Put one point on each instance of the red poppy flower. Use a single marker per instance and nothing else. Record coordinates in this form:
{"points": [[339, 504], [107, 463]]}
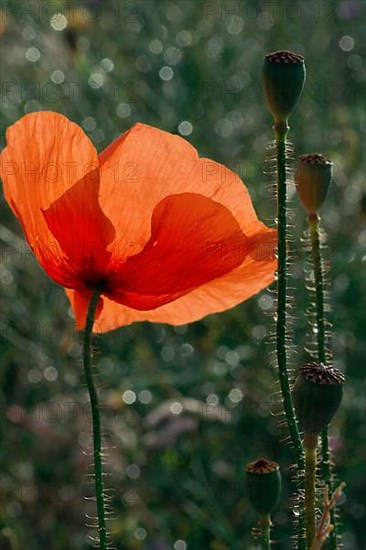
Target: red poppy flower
{"points": [[165, 235]]}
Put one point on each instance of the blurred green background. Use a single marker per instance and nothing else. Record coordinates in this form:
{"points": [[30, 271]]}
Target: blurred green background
{"points": [[184, 408]]}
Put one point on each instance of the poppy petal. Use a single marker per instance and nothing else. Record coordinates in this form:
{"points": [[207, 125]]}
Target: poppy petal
{"points": [[193, 240], [146, 165], [216, 296], [82, 230], [46, 155]]}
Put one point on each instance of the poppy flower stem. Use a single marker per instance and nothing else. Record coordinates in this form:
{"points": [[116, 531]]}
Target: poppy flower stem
{"points": [[313, 222], [310, 443], [94, 402], [264, 527], [280, 131]]}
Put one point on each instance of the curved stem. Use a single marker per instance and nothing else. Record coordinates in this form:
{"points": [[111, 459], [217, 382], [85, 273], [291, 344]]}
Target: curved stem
{"points": [[94, 402], [264, 526], [310, 444], [313, 222], [280, 131]]}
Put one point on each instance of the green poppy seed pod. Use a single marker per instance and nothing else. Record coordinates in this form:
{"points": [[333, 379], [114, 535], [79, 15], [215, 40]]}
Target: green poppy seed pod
{"points": [[313, 178], [8, 540], [263, 483], [317, 394], [283, 80]]}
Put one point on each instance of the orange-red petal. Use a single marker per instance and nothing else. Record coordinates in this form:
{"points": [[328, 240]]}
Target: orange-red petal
{"points": [[193, 240], [82, 231], [216, 296], [46, 155], [146, 165]]}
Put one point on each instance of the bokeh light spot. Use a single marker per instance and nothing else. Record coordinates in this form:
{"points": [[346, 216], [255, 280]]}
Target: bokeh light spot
{"points": [[235, 395], [155, 46], [140, 533], [50, 374], [176, 408], [185, 128], [346, 43], [145, 397], [166, 73], [57, 76], [58, 22], [129, 397], [89, 123], [32, 54], [107, 65], [123, 110]]}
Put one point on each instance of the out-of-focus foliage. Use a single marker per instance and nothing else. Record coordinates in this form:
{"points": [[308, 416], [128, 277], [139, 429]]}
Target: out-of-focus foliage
{"points": [[184, 408]]}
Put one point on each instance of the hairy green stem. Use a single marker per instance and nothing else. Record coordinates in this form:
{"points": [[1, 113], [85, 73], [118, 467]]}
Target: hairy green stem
{"points": [[310, 444], [280, 131], [313, 222], [301, 540], [264, 527], [94, 402], [319, 285]]}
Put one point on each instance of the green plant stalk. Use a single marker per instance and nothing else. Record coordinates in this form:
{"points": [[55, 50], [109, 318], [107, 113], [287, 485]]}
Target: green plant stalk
{"points": [[310, 444], [313, 222], [264, 527], [280, 131], [94, 402], [301, 540]]}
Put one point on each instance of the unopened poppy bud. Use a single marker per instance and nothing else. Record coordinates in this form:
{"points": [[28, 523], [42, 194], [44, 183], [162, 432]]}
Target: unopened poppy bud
{"points": [[313, 178], [283, 80], [317, 394], [263, 483]]}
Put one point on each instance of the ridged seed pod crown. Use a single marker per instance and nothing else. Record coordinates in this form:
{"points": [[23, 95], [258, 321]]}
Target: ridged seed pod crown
{"points": [[263, 484], [313, 178], [317, 394], [283, 80]]}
